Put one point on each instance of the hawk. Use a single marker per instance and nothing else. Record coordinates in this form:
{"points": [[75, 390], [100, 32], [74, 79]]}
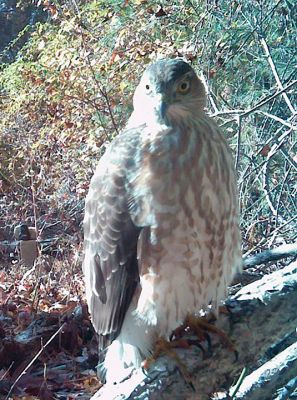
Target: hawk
{"points": [[161, 226]]}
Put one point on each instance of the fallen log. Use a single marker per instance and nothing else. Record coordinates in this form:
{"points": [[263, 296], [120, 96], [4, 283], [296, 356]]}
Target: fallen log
{"points": [[262, 382], [263, 328]]}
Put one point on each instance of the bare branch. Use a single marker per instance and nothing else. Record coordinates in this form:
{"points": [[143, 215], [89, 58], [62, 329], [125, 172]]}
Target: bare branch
{"points": [[244, 113], [286, 250], [279, 143], [261, 243], [208, 93], [278, 119], [101, 89], [266, 186], [238, 142], [25, 370], [275, 74], [282, 188]]}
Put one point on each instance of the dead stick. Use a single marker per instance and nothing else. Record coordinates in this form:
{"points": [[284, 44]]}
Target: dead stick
{"points": [[283, 251], [33, 360]]}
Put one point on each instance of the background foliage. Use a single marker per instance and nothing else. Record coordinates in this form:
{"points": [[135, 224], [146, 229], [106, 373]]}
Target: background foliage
{"points": [[66, 93], [69, 91]]}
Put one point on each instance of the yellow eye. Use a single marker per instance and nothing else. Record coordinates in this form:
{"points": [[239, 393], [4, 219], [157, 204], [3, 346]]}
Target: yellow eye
{"points": [[183, 87]]}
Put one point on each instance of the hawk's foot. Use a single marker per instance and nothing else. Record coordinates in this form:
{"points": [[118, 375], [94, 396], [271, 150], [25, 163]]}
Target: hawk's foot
{"points": [[165, 347], [201, 327]]}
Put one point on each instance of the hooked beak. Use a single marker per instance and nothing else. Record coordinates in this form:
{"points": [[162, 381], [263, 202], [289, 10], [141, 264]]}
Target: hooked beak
{"points": [[163, 109], [161, 106]]}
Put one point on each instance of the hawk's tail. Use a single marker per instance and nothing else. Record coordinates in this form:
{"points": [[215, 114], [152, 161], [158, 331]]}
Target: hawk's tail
{"points": [[127, 351]]}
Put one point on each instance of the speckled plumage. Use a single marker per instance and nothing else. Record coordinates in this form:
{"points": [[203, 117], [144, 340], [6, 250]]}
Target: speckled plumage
{"points": [[161, 221]]}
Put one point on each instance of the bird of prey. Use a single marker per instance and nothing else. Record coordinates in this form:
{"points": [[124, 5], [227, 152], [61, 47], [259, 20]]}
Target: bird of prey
{"points": [[161, 226]]}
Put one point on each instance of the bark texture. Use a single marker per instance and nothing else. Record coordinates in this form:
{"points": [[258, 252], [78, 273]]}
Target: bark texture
{"points": [[263, 328]]}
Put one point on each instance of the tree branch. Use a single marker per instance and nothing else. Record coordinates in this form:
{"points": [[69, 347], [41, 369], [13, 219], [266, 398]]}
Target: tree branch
{"points": [[286, 250], [275, 74], [244, 113]]}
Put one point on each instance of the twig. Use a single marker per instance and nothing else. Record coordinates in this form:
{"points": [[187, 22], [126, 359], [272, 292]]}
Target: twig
{"points": [[243, 45], [261, 242], [271, 153], [208, 93], [33, 197], [258, 200], [288, 158], [266, 186], [244, 113], [227, 112], [282, 188], [6, 372], [34, 359], [278, 119], [101, 89], [13, 42], [279, 143], [238, 142], [274, 138], [259, 221], [37, 285], [275, 74], [286, 250], [234, 389], [269, 98]]}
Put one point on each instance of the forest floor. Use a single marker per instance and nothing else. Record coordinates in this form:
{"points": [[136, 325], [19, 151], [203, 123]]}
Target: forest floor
{"points": [[47, 348]]}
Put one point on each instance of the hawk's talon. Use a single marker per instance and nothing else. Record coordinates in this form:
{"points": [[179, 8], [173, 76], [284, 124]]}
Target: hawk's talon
{"points": [[192, 386], [198, 324], [178, 332], [205, 353], [201, 327], [163, 346], [144, 368]]}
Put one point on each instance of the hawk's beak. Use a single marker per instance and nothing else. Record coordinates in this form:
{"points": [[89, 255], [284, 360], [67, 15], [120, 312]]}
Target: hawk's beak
{"points": [[163, 109], [162, 106]]}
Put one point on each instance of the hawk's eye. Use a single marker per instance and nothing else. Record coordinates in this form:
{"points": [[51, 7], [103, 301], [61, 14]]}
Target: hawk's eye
{"points": [[147, 87], [183, 87]]}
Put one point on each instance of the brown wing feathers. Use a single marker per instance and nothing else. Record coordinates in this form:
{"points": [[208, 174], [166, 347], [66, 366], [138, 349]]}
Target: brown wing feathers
{"points": [[111, 240]]}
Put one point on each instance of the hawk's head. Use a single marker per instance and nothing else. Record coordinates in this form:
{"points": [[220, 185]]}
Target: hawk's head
{"points": [[168, 92]]}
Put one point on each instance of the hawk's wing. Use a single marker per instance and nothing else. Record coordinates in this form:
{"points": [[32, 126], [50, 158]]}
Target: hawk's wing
{"points": [[110, 264]]}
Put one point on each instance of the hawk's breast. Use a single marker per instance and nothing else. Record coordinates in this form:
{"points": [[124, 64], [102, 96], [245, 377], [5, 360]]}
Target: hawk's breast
{"points": [[189, 255]]}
